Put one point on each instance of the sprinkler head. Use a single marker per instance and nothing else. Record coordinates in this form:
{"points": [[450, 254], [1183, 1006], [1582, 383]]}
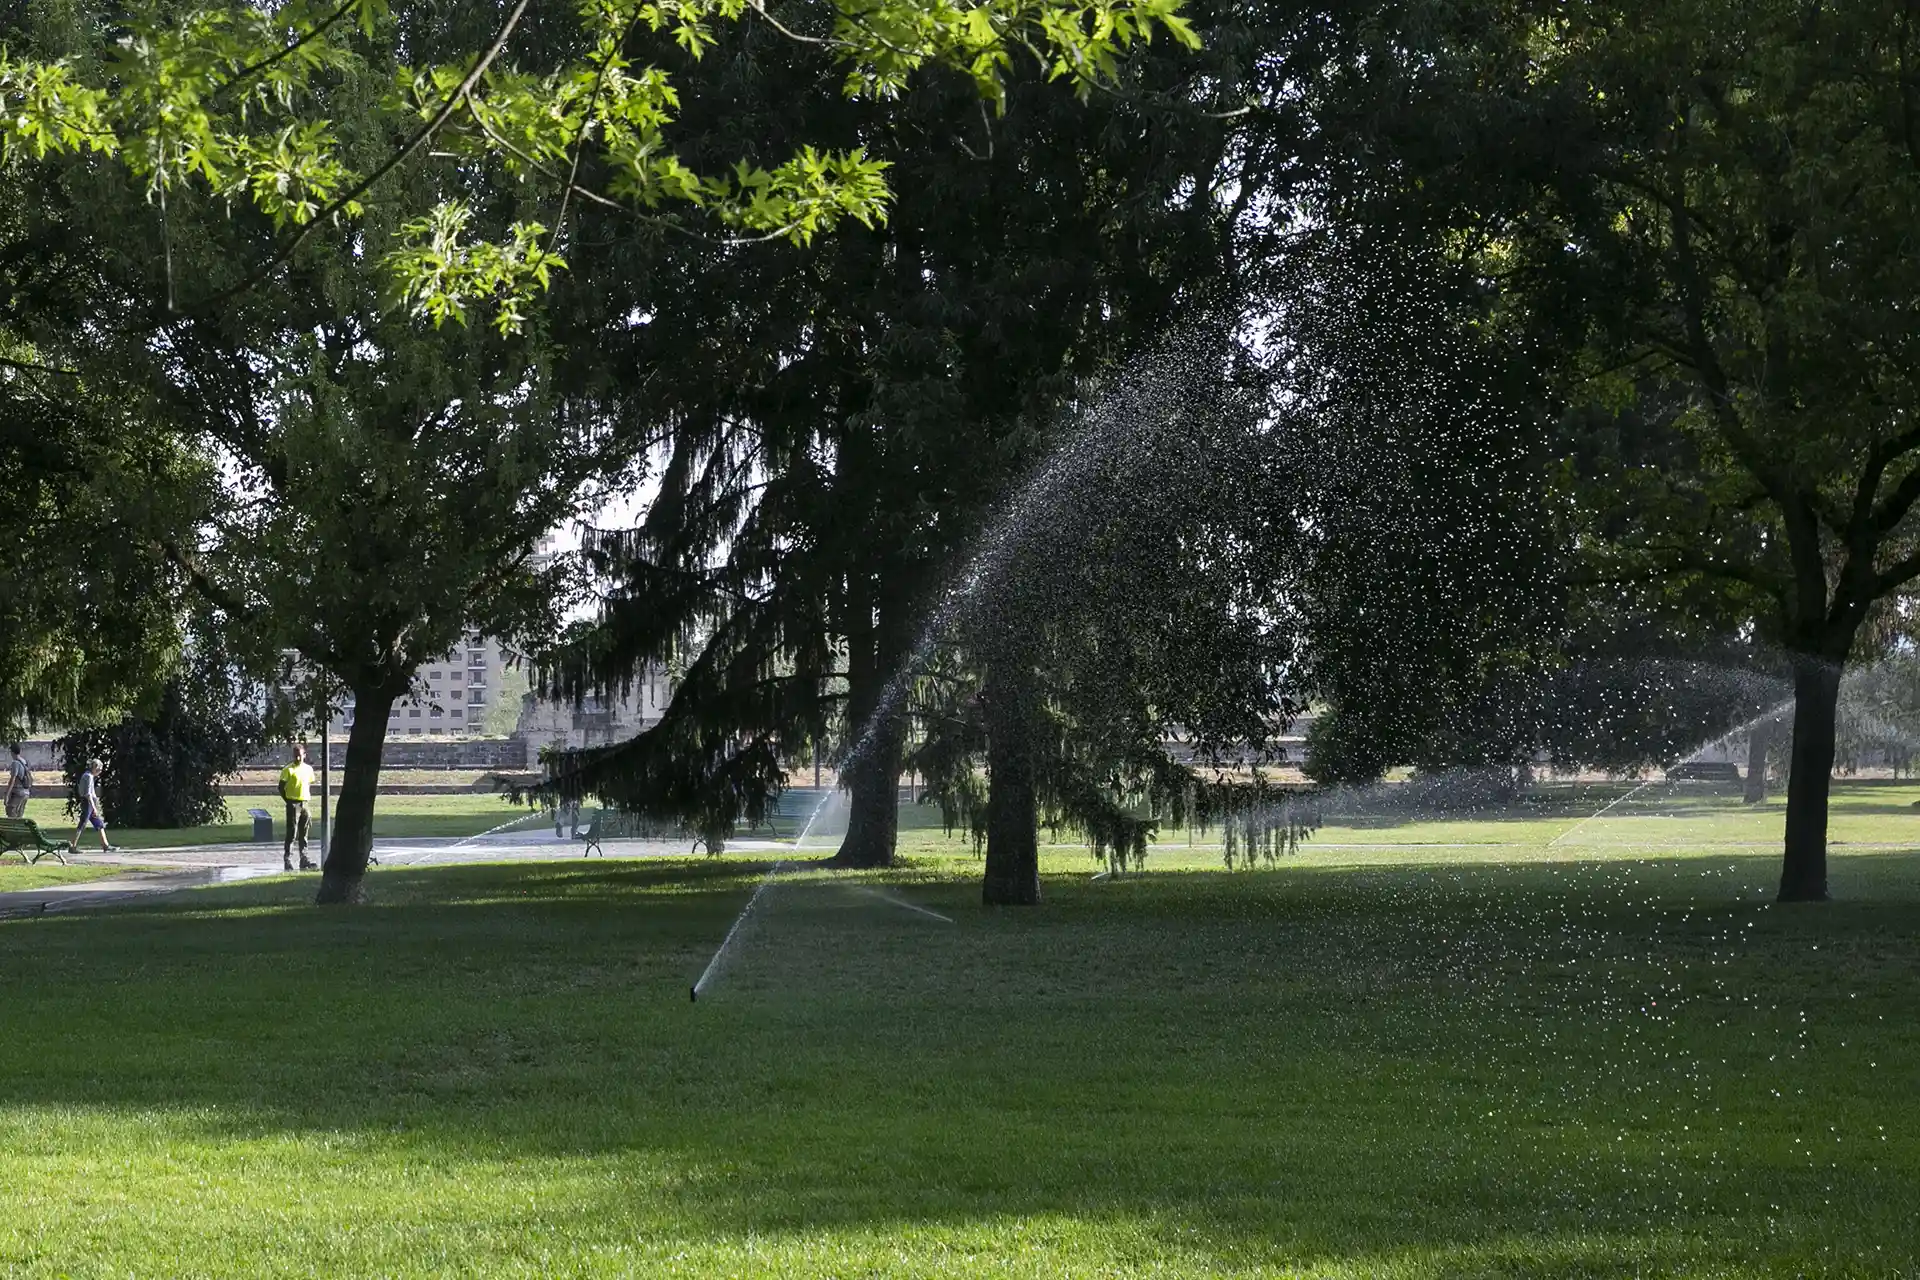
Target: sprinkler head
{"points": [[693, 995]]}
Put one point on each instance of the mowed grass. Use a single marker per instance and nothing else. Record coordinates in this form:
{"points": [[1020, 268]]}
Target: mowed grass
{"points": [[394, 817], [1573, 1062], [40, 875]]}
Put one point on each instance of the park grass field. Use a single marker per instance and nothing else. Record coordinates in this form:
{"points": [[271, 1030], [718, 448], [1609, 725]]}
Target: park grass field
{"points": [[1411, 1059], [394, 817]]}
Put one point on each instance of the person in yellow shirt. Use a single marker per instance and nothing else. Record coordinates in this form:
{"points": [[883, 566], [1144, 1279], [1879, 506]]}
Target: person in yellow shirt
{"points": [[296, 788]]}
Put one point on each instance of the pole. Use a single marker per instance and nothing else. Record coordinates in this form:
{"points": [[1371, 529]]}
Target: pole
{"points": [[326, 764]]}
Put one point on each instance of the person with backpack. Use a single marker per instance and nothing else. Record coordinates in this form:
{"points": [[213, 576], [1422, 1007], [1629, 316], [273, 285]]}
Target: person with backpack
{"points": [[87, 794], [296, 788], [19, 784]]}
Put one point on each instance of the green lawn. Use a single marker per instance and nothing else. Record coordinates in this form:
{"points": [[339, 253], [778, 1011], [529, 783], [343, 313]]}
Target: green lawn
{"points": [[1364, 1063], [15, 875], [394, 816]]}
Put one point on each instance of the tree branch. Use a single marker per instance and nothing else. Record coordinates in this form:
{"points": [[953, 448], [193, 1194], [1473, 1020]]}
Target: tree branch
{"points": [[36, 367], [586, 126], [1893, 509], [267, 63], [1899, 575], [210, 590], [419, 139]]}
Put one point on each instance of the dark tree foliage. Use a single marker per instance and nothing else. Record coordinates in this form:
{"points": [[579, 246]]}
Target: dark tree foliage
{"points": [[1136, 598], [1454, 623], [862, 407], [1711, 205], [163, 765], [1432, 585], [87, 603]]}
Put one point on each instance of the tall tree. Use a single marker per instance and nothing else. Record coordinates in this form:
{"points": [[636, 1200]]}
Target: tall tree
{"points": [[392, 482], [1743, 183], [1707, 207], [870, 405]]}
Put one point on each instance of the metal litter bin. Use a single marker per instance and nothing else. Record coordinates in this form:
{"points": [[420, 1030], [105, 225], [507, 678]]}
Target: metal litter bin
{"points": [[262, 825]]}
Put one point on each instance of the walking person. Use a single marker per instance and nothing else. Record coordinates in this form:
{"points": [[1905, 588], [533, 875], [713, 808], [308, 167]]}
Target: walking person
{"points": [[296, 788], [19, 784], [91, 814]]}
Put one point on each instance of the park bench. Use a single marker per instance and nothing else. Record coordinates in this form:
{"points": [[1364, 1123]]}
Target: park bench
{"points": [[17, 835], [616, 824], [1704, 771]]}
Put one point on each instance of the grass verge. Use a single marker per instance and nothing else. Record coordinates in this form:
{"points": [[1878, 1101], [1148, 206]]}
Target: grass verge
{"points": [[46, 873]]}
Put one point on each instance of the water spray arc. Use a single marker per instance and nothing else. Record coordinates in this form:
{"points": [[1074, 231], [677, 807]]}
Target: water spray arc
{"points": [[1115, 428], [1695, 754], [720, 956]]}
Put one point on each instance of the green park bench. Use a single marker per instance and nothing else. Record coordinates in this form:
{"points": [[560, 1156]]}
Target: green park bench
{"points": [[18, 835]]}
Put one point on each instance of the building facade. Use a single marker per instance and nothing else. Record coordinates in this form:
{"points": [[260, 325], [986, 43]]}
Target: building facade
{"points": [[452, 697], [595, 721]]}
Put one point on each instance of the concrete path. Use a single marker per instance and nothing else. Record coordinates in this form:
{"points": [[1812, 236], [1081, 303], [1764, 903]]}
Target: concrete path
{"points": [[53, 898], [155, 871]]}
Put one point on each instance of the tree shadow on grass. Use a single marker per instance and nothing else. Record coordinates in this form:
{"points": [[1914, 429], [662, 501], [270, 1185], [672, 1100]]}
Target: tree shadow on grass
{"points": [[1424, 1073]]}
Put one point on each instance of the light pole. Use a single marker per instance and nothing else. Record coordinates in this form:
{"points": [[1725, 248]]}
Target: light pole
{"points": [[326, 785]]}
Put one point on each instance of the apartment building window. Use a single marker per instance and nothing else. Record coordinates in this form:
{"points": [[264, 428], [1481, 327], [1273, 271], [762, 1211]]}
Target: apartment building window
{"points": [[413, 713], [456, 713]]}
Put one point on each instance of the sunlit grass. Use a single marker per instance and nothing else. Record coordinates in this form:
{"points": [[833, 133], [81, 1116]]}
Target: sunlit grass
{"points": [[1569, 1064], [15, 875]]}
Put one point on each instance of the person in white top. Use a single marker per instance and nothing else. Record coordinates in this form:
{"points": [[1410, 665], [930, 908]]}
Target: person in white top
{"points": [[19, 784], [91, 815]]}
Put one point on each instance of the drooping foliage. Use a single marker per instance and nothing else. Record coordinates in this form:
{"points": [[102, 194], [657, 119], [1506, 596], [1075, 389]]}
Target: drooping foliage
{"points": [[88, 606], [237, 103], [1141, 588], [865, 410]]}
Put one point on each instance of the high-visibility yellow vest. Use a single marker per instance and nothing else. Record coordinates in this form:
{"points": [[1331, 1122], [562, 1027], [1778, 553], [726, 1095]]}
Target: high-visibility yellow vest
{"points": [[296, 781]]}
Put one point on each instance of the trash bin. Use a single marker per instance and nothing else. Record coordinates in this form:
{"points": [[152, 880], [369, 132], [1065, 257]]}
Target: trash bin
{"points": [[262, 825]]}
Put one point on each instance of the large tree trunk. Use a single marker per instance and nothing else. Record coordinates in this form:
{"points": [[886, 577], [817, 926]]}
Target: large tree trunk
{"points": [[1759, 747], [1013, 819], [873, 802], [878, 719], [359, 784], [1816, 700]]}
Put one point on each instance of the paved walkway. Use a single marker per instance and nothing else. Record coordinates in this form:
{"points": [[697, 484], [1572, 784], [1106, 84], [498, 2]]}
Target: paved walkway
{"points": [[153, 871]]}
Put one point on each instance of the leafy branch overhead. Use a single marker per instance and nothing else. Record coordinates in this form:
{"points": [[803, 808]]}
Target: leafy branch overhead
{"points": [[227, 99]]}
